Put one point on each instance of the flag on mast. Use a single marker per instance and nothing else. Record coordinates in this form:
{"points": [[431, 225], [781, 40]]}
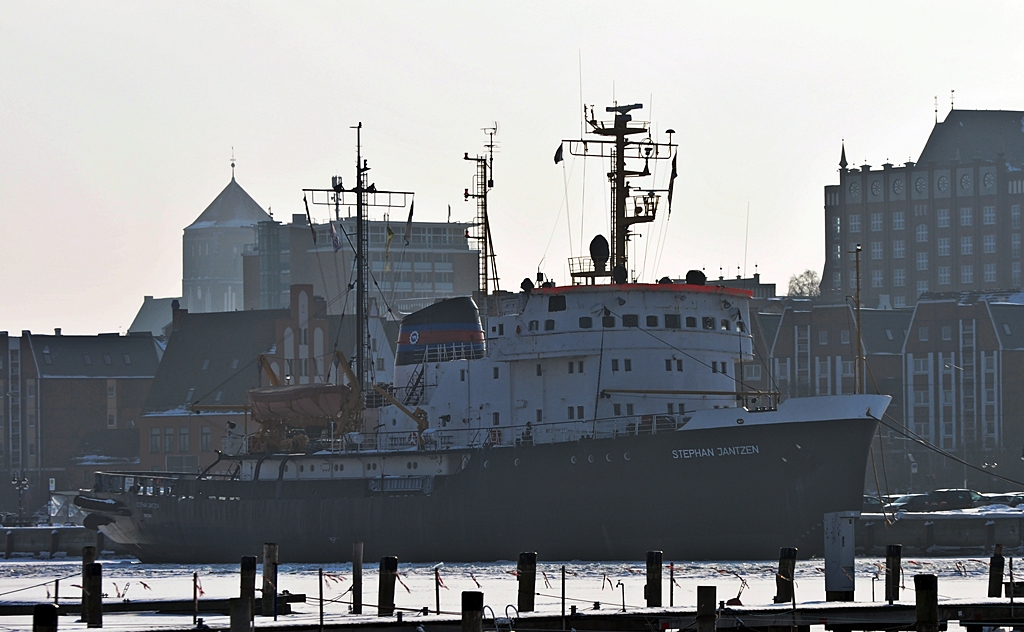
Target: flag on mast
{"points": [[672, 182], [408, 223], [558, 155], [334, 238], [387, 248]]}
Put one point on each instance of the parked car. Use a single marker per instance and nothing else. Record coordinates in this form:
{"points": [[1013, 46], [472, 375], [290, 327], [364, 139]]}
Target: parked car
{"points": [[872, 504], [1011, 499], [909, 502], [944, 499]]}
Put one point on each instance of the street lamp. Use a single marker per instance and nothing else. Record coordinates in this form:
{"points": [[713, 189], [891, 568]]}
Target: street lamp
{"points": [[21, 484]]}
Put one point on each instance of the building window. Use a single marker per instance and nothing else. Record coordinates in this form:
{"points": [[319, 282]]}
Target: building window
{"points": [[989, 242], [111, 391], [751, 372], [853, 279], [855, 223], [87, 359], [922, 287], [1015, 216], [899, 301], [836, 227], [922, 261], [989, 213], [898, 249], [966, 245], [204, 439], [897, 220], [154, 440], [169, 439], [1015, 245], [944, 275], [942, 217], [899, 277], [922, 334], [107, 360], [111, 420], [943, 246], [876, 222], [877, 251], [967, 274], [1015, 274], [922, 233], [837, 280], [921, 364], [183, 445], [920, 397], [823, 337], [966, 216], [844, 336], [990, 273], [877, 278]]}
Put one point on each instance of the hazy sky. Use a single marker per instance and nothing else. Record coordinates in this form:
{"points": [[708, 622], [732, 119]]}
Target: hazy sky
{"points": [[117, 122]]}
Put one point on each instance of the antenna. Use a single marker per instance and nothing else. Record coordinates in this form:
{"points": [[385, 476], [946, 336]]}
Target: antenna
{"points": [[951, 95], [936, 108], [746, 239], [232, 162]]}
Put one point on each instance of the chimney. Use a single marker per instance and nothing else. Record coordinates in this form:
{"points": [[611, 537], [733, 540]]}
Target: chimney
{"points": [[56, 331], [176, 313]]}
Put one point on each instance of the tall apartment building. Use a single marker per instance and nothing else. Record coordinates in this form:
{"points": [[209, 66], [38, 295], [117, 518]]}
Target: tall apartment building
{"points": [[436, 263], [211, 253], [949, 222]]}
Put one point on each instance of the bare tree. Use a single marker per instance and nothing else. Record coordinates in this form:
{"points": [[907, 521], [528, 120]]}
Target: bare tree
{"points": [[807, 283]]}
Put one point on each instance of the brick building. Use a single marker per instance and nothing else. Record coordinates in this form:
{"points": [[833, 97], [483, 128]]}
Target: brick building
{"points": [[948, 222], [69, 403]]}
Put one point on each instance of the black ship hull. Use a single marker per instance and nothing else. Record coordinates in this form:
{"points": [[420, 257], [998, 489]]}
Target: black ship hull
{"points": [[719, 493]]}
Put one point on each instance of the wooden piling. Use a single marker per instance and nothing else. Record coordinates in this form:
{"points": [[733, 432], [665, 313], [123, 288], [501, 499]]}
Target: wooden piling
{"points": [[706, 600], [247, 589], [526, 575], [195, 597], [320, 586], [238, 608], [44, 618], [437, 590], [784, 578], [94, 595], [54, 542], [472, 611], [652, 590], [8, 544], [996, 565], [926, 589], [386, 586], [88, 557], [357, 578], [269, 601], [893, 561]]}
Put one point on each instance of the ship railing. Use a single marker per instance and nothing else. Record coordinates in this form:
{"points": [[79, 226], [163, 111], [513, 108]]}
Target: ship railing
{"points": [[155, 484]]}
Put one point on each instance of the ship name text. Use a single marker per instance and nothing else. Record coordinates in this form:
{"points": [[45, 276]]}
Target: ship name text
{"points": [[699, 453]]}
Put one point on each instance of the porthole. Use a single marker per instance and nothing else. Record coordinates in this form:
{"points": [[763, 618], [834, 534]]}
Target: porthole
{"points": [[486, 463], [302, 468], [625, 455], [516, 462], [367, 466], [341, 467], [740, 421], [608, 458], [408, 465], [415, 465], [572, 460], [590, 458]]}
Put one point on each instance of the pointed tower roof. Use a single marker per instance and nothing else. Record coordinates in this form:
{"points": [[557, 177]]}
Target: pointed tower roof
{"points": [[231, 209], [842, 157], [969, 134]]}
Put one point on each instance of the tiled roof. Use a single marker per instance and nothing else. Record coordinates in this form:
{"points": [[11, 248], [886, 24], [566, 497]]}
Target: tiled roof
{"points": [[212, 354], [969, 134], [231, 209], [102, 356]]}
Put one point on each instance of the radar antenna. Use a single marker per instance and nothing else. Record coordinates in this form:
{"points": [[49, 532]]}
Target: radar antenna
{"points": [[483, 182]]}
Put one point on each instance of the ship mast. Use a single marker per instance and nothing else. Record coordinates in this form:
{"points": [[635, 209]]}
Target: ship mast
{"points": [[627, 208], [483, 182], [363, 196]]}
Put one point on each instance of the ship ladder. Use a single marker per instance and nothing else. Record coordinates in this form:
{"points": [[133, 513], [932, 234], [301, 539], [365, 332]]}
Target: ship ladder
{"points": [[506, 623], [414, 390]]}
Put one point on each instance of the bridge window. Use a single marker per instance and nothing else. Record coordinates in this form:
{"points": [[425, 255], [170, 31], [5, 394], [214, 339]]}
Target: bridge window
{"points": [[652, 321], [549, 325], [691, 321], [586, 322], [630, 320], [534, 325], [556, 304], [608, 321], [671, 321], [708, 322]]}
